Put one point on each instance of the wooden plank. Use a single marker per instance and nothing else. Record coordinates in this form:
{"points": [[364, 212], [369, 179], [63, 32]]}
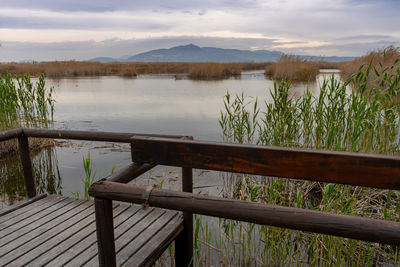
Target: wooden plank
{"points": [[73, 246], [23, 145], [89, 135], [38, 220], [155, 247], [37, 237], [40, 210], [70, 242], [325, 166], [152, 228], [21, 204], [130, 172], [23, 210], [184, 242], [10, 134], [89, 257], [366, 229], [105, 232]]}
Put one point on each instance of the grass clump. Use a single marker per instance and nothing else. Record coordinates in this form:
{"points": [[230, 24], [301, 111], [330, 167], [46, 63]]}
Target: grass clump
{"points": [[380, 63], [211, 71], [336, 119], [24, 104], [293, 68]]}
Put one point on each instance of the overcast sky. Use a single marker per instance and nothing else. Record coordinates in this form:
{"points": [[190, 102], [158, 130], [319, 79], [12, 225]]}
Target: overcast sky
{"points": [[82, 29]]}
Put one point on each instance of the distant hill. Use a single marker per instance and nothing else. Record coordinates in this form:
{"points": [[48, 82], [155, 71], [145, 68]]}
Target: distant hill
{"points": [[103, 59], [194, 53]]}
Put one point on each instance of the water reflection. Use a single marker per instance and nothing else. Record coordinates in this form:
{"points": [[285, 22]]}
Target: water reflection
{"points": [[45, 170]]}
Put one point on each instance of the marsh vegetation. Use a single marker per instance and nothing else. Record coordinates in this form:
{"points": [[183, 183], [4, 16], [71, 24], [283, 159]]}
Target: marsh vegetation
{"points": [[364, 120], [194, 70]]}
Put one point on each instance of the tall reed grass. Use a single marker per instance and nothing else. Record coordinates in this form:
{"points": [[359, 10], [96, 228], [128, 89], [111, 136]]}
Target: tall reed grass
{"points": [[24, 104], [365, 120], [57, 69], [294, 68], [381, 63]]}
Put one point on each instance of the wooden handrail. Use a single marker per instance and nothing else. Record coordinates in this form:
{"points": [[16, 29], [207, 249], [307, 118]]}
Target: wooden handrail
{"points": [[366, 229], [324, 166]]}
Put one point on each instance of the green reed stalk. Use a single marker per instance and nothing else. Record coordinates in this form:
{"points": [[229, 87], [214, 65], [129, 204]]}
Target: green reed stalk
{"points": [[355, 116]]}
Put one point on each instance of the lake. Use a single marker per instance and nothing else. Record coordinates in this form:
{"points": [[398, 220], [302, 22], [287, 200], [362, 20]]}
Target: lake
{"points": [[158, 104]]}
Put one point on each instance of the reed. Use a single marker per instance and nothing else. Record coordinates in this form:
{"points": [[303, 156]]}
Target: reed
{"points": [[364, 120], [57, 69], [294, 68], [376, 62], [24, 104]]}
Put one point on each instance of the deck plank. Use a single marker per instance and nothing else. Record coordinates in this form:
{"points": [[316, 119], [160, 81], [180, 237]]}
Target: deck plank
{"points": [[153, 227], [30, 209], [17, 249], [89, 243], [21, 204], [68, 241], [89, 258], [61, 231], [18, 229], [154, 247]]}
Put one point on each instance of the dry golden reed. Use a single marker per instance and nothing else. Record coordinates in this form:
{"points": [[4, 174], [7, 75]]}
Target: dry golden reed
{"points": [[58, 69]]}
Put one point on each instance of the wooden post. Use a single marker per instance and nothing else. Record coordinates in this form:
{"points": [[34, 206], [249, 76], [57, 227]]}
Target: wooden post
{"points": [[23, 145], [105, 232], [184, 242]]}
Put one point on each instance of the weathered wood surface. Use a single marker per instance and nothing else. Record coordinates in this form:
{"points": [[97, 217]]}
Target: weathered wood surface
{"points": [[361, 228], [184, 242], [89, 135], [10, 134], [55, 231], [130, 172], [24, 153], [325, 166], [20, 204]]}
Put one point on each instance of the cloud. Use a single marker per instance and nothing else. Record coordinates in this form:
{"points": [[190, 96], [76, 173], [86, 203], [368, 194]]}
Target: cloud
{"points": [[295, 25]]}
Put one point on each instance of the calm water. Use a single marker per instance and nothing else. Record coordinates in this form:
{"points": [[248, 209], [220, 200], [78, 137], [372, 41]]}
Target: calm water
{"points": [[147, 104]]}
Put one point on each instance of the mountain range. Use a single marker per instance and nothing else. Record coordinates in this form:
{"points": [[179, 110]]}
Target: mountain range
{"points": [[194, 53]]}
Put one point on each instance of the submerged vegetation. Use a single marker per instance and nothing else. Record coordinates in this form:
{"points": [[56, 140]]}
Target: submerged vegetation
{"points": [[365, 120]]}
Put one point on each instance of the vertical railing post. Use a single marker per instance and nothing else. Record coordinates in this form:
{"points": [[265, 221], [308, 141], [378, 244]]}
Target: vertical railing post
{"points": [[105, 232], [26, 162], [184, 242]]}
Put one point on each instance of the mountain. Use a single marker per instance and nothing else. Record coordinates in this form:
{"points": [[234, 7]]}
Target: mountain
{"points": [[194, 53], [103, 59]]}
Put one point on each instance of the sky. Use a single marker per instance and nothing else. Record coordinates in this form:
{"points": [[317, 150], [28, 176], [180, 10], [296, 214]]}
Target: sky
{"points": [[82, 29]]}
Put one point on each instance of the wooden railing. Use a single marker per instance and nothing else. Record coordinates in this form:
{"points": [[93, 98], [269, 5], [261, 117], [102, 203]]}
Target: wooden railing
{"points": [[324, 166], [151, 150], [103, 206]]}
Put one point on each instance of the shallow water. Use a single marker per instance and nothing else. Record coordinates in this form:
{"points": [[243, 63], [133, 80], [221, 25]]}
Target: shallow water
{"points": [[159, 104]]}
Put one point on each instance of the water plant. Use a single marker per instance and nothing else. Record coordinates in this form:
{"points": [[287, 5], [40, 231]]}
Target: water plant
{"points": [[24, 103], [338, 118]]}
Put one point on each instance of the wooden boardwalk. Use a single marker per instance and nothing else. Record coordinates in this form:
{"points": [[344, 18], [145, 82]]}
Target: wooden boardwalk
{"points": [[61, 231]]}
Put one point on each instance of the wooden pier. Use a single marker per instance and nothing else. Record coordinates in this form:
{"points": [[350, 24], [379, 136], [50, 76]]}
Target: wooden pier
{"points": [[61, 231], [56, 230]]}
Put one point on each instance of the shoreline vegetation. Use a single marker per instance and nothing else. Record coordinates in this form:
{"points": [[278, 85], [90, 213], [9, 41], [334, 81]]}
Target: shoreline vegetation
{"points": [[365, 120], [288, 67], [194, 70], [25, 104]]}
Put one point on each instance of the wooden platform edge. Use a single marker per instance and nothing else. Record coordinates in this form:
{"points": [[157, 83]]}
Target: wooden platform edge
{"points": [[21, 204]]}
